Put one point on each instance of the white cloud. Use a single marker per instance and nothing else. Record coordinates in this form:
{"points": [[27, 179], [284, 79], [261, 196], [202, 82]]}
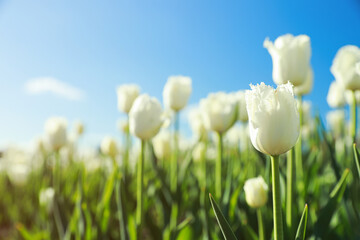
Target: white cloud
{"points": [[54, 86]]}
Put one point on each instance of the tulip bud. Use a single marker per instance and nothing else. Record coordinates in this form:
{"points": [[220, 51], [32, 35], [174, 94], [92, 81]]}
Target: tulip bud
{"points": [[256, 192], [127, 94], [240, 99], [46, 198], [162, 146], [345, 67], [291, 59], [176, 92], [336, 95], [108, 146], [145, 117], [274, 122], [196, 122], [306, 87], [219, 111], [55, 132]]}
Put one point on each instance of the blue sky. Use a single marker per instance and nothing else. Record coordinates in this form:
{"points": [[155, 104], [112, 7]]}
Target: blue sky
{"points": [[95, 46]]}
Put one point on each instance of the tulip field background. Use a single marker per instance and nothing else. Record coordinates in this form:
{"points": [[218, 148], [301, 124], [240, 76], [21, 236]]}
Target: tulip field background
{"points": [[138, 120]]}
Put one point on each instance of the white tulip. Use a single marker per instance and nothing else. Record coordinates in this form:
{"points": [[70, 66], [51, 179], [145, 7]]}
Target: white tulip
{"points": [[273, 118], [162, 145], [176, 92], [336, 95], [145, 117], [349, 97], [55, 132], [345, 67], [46, 198], [291, 59], [219, 111], [199, 152], [336, 120], [256, 192], [242, 113], [109, 147], [196, 122], [306, 87], [127, 94]]}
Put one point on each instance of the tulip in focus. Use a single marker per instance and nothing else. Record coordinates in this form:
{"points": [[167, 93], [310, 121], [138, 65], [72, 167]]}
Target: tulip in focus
{"points": [[176, 92], [127, 94], [55, 132], [345, 67], [256, 192], [291, 59], [273, 118], [145, 117]]}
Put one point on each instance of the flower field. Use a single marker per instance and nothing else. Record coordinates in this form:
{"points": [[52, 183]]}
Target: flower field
{"points": [[261, 163]]}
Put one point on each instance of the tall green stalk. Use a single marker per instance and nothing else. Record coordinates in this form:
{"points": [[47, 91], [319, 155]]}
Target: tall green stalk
{"points": [[278, 226], [127, 150], [218, 167], [204, 195], [298, 146], [353, 117], [140, 188], [260, 225], [290, 190], [173, 177]]}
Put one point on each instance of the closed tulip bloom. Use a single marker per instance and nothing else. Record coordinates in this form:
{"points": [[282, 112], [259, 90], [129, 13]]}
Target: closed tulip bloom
{"points": [[345, 67], [55, 132], [242, 113], [219, 111], [162, 146], [46, 198], [108, 146], [349, 97], [176, 92], [273, 118], [196, 122], [306, 87], [145, 117], [291, 59], [336, 121], [127, 94], [336, 95], [256, 192]]}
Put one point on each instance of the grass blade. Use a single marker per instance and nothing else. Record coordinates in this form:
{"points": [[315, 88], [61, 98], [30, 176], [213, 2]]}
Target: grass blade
{"points": [[224, 225], [300, 234], [356, 153]]}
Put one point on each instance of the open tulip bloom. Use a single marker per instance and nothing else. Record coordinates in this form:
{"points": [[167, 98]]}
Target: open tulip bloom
{"points": [[274, 129]]}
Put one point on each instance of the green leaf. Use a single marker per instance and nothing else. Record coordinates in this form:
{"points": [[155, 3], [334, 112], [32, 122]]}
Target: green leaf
{"points": [[300, 234], [356, 153], [224, 225], [326, 213], [184, 223]]}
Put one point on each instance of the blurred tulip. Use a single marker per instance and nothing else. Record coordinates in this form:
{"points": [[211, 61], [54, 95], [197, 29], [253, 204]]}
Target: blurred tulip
{"points": [[345, 67], [145, 117], [336, 95], [256, 192], [127, 94], [336, 121], [291, 59], [55, 132], [197, 124], [162, 145], [176, 92], [219, 111], [273, 118], [109, 147], [306, 87], [46, 198]]}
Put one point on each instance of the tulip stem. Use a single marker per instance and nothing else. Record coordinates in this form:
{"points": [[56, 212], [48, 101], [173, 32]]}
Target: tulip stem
{"points": [[218, 167], [353, 117], [298, 150], [173, 180], [260, 225], [140, 186], [278, 226], [127, 151], [290, 190]]}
